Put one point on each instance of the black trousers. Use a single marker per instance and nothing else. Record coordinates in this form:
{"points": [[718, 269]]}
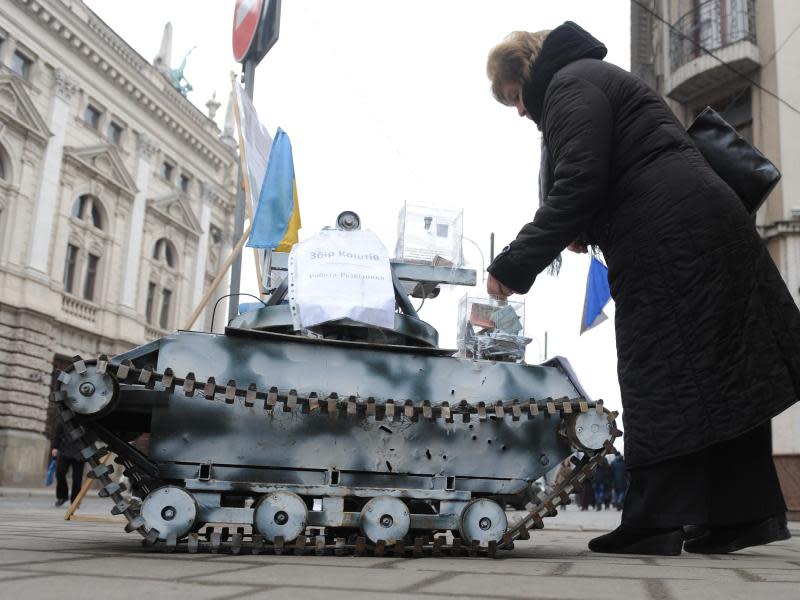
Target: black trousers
{"points": [[62, 465], [729, 483]]}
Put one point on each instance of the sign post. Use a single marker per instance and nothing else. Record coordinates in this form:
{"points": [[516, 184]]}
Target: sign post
{"points": [[256, 26]]}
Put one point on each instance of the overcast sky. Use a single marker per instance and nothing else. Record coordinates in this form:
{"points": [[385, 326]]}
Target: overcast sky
{"points": [[387, 101]]}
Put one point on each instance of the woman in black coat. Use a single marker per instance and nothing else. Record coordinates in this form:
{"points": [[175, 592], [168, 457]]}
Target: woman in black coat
{"points": [[708, 336]]}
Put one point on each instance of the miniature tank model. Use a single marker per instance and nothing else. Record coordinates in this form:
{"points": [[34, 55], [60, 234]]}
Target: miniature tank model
{"points": [[343, 438]]}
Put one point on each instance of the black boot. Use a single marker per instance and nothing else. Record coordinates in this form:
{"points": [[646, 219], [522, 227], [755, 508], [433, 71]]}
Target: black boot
{"points": [[631, 540], [724, 540], [692, 532]]}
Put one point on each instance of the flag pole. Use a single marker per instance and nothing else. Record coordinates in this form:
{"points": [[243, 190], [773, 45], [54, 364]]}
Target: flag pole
{"points": [[249, 70], [244, 169]]}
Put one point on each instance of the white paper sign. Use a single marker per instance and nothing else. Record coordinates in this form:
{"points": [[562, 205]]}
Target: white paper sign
{"points": [[341, 275]]}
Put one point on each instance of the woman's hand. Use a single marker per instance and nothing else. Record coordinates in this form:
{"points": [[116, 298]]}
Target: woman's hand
{"points": [[577, 247], [497, 289]]}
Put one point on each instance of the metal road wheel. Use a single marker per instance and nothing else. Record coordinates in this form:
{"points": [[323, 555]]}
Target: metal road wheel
{"points": [[385, 518], [281, 514], [589, 431], [483, 520], [89, 393], [170, 510]]}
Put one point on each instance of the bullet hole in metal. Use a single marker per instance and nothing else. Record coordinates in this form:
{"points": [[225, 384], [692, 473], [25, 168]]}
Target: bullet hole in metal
{"points": [[444, 456], [428, 454], [471, 426], [389, 466], [474, 437], [452, 392], [503, 447], [488, 441], [385, 428]]}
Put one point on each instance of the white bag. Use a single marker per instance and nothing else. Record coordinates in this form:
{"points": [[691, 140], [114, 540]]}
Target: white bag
{"points": [[341, 275]]}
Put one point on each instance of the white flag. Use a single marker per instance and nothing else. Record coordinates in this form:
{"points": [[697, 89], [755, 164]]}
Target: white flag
{"points": [[257, 143]]}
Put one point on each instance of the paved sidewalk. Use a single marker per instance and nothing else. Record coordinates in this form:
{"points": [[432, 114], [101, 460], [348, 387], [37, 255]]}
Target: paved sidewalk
{"points": [[42, 556]]}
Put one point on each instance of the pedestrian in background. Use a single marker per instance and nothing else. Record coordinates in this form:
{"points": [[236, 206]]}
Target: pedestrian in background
{"points": [[601, 482], [585, 495], [619, 480], [707, 334], [68, 457]]}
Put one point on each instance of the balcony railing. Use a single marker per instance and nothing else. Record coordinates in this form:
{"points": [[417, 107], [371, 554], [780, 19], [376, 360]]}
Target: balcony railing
{"points": [[79, 308], [712, 25], [153, 333]]}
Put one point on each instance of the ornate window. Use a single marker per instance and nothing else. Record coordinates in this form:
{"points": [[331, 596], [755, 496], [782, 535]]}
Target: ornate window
{"points": [[88, 208], [164, 251], [184, 183], [160, 305], [84, 255], [114, 133], [166, 171], [91, 116], [21, 64], [70, 266]]}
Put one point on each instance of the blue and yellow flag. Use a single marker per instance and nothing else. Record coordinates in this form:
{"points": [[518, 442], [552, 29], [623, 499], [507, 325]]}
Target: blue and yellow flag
{"points": [[277, 218]]}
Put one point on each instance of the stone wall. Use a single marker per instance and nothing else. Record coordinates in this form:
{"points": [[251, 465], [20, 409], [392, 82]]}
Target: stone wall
{"points": [[26, 342]]}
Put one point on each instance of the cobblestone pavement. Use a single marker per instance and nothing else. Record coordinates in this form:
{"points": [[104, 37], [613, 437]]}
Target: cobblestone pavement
{"points": [[42, 556]]}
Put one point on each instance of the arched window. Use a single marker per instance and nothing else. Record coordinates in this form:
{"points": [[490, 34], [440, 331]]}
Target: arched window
{"points": [[90, 209], [164, 251], [160, 302], [83, 258]]}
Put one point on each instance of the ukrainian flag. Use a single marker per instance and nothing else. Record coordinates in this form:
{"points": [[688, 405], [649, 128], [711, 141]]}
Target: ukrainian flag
{"points": [[277, 218]]}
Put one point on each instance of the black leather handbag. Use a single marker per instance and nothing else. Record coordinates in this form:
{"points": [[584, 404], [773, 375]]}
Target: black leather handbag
{"points": [[740, 164]]}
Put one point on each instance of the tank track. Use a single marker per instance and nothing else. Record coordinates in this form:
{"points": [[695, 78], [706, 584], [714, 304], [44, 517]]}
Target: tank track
{"points": [[83, 431]]}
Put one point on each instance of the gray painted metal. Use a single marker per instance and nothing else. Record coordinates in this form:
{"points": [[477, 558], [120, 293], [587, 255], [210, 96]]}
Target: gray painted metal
{"points": [[483, 520], [88, 393], [385, 518], [589, 430], [198, 487], [170, 510], [279, 318], [281, 514], [252, 445]]}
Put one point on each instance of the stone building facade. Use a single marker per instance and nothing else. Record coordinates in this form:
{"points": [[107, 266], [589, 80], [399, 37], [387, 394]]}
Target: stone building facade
{"points": [[116, 203], [759, 43]]}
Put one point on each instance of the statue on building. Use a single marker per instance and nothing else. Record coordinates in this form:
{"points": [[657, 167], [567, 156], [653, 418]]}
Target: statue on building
{"points": [[179, 82], [163, 62]]}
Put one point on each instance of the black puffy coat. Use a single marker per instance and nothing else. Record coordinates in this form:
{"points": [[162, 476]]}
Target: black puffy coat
{"points": [[708, 336]]}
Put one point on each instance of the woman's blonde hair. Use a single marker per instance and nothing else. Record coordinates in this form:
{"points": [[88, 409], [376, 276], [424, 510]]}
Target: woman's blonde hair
{"points": [[512, 58]]}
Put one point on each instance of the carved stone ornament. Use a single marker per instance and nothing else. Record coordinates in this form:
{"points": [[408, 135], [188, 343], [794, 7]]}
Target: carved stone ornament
{"points": [[65, 86], [147, 147]]}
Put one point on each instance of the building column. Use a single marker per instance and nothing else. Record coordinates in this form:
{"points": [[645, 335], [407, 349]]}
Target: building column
{"points": [[202, 251], [47, 198], [146, 149]]}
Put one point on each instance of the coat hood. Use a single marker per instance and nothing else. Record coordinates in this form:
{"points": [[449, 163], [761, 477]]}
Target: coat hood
{"points": [[565, 44]]}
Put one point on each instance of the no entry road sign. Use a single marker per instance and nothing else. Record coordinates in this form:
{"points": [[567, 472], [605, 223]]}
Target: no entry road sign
{"points": [[246, 16]]}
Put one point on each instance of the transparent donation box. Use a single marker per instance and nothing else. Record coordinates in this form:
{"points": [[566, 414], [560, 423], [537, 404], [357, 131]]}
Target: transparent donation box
{"points": [[428, 235], [491, 329]]}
